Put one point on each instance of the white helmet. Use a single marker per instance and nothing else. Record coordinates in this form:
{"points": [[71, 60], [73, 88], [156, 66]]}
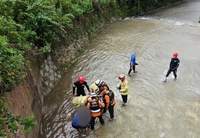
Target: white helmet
{"points": [[98, 82]]}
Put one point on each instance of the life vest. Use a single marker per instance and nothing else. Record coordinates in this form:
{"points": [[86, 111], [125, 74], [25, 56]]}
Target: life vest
{"points": [[111, 95], [94, 107]]}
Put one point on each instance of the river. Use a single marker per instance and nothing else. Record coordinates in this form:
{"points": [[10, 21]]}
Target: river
{"points": [[155, 109]]}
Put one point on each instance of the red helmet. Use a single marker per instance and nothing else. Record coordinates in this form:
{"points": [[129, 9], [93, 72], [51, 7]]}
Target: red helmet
{"points": [[175, 54], [81, 79]]}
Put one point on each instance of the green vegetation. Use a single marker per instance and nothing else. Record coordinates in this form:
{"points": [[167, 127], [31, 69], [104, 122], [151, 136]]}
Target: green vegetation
{"points": [[135, 7], [38, 25], [12, 65], [12, 122], [33, 25]]}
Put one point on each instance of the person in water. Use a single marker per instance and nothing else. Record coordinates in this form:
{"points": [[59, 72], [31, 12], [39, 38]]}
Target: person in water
{"points": [[100, 83], [79, 87], [110, 101], [174, 64], [132, 64], [123, 88], [81, 120], [95, 107]]}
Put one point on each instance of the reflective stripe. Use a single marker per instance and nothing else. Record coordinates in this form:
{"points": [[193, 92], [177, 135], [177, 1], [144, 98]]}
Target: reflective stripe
{"points": [[95, 111]]}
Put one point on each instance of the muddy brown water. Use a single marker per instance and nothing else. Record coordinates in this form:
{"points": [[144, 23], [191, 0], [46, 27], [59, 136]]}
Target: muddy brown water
{"points": [[155, 109]]}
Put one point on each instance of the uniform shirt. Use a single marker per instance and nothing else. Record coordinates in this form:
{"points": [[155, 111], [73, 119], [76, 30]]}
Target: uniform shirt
{"points": [[107, 99], [124, 85], [95, 114], [174, 63], [80, 88]]}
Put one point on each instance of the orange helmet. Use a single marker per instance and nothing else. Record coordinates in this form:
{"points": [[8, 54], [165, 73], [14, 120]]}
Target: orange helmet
{"points": [[81, 79], [175, 54]]}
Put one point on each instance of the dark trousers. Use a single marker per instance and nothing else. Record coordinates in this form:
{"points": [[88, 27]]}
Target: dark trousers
{"points": [[79, 127], [104, 108], [133, 68], [93, 121], [124, 98], [111, 110], [78, 94], [174, 71]]}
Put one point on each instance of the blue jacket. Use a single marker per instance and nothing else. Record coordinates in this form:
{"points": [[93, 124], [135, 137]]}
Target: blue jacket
{"points": [[75, 121], [132, 61]]}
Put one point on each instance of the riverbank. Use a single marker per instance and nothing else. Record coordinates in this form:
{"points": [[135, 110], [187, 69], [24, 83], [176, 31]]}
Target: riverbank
{"points": [[46, 70]]}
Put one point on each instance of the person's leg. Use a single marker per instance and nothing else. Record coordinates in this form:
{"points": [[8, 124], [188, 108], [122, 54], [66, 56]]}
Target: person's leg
{"points": [[130, 70], [124, 98], [111, 111], [78, 94], [104, 109], [101, 119], [86, 131], [92, 123], [134, 69], [83, 94], [168, 72], [175, 75], [76, 127]]}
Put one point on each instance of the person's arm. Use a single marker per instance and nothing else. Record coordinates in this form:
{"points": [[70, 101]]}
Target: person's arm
{"points": [[88, 105], [101, 104], [87, 87], [74, 87], [119, 86], [170, 65], [124, 89], [107, 98]]}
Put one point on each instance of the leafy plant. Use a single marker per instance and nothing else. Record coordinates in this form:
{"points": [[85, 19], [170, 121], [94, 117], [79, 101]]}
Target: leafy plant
{"points": [[12, 30], [12, 122], [28, 122], [12, 65]]}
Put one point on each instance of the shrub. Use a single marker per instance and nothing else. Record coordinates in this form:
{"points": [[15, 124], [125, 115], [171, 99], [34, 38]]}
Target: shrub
{"points": [[12, 65], [11, 122]]}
